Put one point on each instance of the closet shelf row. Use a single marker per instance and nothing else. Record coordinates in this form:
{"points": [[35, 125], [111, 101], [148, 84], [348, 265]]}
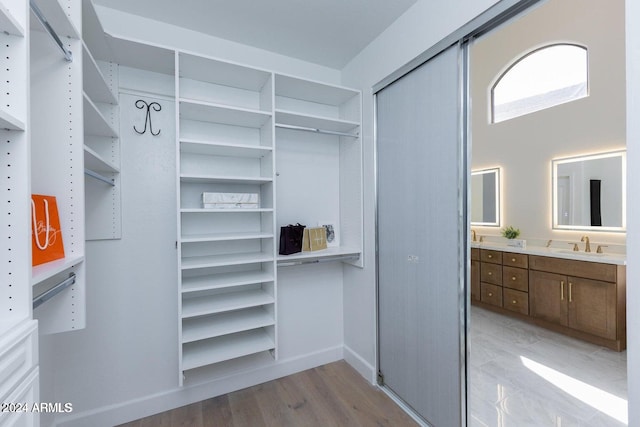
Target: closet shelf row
{"points": [[210, 148], [215, 350], [225, 237], [94, 82], [209, 261], [9, 23], [9, 121], [225, 280], [220, 303], [94, 121], [200, 328]]}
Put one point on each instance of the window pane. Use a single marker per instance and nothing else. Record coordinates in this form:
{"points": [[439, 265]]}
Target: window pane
{"points": [[546, 77]]}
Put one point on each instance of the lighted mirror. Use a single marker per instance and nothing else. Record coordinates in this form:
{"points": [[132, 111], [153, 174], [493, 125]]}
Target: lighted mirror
{"points": [[589, 192], [485, 197]]}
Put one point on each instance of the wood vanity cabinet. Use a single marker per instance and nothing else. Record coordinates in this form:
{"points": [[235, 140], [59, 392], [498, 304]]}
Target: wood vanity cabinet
{"points": [[586, 300], [586, 297]]}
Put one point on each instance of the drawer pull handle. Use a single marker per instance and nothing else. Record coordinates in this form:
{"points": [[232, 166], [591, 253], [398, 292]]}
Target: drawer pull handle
{"points": [[490, 273], [490, 294], [513, 278], [489, 256], [514, 302], [562, 290], [513, 260], [570, 286]]}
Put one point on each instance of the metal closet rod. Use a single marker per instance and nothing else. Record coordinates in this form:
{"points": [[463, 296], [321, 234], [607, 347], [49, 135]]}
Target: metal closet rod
{"points": [[328, 132], [46, 296], [99, 177], [43, 20]]}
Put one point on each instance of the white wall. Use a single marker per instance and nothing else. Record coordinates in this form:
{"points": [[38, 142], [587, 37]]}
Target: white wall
{"points": [[524, 146], [425, 24]]}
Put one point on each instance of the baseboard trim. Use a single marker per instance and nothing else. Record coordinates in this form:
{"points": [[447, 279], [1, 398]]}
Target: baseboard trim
{"points": [[120, 413], [363, 367]]}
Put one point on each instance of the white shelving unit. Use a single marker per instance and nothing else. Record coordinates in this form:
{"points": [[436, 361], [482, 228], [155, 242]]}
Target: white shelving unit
{"points": [[101, 131], [57, 158], [227, 257], [318, 135]]}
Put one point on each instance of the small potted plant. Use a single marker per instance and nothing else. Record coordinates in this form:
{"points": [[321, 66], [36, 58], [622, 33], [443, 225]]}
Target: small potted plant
{"points": [[511, 233]]}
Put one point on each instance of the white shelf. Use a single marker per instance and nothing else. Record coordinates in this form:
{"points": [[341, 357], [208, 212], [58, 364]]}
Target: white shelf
{"points": [[306, 90], [212, 304], [225, 237], [9, 23], [208, 261], [225, 280], [216, 350], [96, 163], [9, 121], [201, 328], [210, 179], [94, 83], [316, 122], [94, 121], [43, 272], [319, 255], [144, 56], [209, 112], [221, 149], [93, 32], [239, 210], [222, 73], [57, 18]]}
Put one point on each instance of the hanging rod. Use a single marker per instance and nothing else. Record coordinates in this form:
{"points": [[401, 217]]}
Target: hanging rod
{"points": [[38, 13], [318, 260], [46, 296], [328, 132], [99, 177]]}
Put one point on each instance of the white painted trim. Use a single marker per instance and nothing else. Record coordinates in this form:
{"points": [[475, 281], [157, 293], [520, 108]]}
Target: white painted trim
{"points": [[358, 363], [120, 413]]}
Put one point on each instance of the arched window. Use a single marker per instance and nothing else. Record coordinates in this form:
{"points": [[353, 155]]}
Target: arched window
{"points": [[546, 77]]}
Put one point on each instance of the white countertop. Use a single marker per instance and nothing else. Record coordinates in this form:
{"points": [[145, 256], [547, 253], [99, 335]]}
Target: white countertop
{"points": [[605, 258]]}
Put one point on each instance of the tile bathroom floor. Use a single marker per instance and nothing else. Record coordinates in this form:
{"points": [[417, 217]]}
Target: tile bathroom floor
{"points": [[522, 375]]}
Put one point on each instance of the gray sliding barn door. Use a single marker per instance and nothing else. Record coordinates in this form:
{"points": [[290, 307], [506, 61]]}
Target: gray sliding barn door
{"points": [[420, 227]]}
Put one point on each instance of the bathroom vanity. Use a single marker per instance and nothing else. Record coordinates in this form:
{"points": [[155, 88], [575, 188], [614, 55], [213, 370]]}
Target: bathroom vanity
{"points": [[579, 294]]}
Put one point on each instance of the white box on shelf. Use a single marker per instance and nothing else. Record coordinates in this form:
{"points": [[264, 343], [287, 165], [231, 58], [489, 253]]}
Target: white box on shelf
{"points": [[230, 200]]}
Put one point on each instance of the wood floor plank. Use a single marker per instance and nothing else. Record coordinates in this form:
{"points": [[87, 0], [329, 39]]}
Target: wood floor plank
{"points": [[333, 395]]}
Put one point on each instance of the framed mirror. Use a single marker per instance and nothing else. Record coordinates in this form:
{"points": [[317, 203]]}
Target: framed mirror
{"points": [[589, 192], [485, 197]]}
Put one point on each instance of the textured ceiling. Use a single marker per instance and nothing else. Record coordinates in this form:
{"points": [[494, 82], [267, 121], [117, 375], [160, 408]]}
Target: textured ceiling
{"points": [[326, 32]]}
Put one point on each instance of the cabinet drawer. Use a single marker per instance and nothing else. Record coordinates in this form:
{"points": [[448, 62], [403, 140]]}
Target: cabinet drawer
{"points": [[494, 257], [491, 294], [18, 355], [585, 269], [491, 273], [515, 278], [515, 260], [516, 301]]}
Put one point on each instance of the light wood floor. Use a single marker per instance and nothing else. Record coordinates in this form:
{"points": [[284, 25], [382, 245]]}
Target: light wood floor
{"points": [[330, 395]]}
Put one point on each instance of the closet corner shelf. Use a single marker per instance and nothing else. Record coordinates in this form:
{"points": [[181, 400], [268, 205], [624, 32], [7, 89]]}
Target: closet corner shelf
{"points": [[97, 163], [215, 350], [329, 254], [9, 23], [210, 148], [304, 120], [43, 272], [9, 121], [57, 18], [199, 179], [192, 109], [94, 121], [203, 328], [94, 83]]}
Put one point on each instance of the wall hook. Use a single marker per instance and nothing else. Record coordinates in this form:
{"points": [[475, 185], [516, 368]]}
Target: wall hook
{"points": [[140, 104]]}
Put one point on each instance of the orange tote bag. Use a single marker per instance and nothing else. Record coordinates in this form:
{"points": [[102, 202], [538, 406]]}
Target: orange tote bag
{"points": [[46, 236]]}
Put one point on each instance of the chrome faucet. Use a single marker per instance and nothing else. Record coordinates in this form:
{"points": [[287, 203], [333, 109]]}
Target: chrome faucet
{"points": [[587, 246]]}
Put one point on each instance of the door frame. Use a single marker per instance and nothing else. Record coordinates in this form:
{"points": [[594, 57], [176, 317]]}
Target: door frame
{"points": [[499, 13]]}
